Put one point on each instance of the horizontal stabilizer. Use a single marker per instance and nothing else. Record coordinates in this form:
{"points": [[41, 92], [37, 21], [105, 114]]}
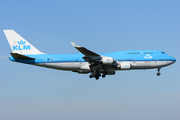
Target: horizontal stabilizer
{"points": [[21, 57]]}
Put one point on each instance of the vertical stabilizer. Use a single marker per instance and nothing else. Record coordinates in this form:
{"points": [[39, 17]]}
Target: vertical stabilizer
{"points": [[18, 44]]}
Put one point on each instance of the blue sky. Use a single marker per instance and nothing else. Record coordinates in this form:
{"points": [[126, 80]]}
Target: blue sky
{"points": [[30, 92]]}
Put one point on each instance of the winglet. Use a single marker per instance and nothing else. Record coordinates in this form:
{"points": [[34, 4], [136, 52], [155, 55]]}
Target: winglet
{"points": [[75, 45]]}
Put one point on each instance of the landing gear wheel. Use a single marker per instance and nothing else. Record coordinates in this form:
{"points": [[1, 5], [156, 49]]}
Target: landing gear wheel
{"points": [[90, 76], [103, 76], [97, 78], [158, 74]]}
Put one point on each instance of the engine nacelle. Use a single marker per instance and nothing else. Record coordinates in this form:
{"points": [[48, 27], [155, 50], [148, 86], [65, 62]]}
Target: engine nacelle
{"points": [[107, 60], [123, 66]]}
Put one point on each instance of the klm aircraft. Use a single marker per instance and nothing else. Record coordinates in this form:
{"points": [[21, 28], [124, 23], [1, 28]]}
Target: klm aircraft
{"points": [[88, 62]]}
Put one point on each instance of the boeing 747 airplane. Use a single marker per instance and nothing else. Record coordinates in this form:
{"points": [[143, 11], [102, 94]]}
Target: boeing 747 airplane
{"points": [[88, 62]]}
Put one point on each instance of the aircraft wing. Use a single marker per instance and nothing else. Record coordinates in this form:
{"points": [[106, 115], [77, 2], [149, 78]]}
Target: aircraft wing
{"points": [[95, 60], [89, 55]]}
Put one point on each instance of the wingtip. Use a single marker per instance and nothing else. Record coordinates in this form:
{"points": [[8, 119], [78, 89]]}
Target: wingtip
{"points": [[74, 44]]}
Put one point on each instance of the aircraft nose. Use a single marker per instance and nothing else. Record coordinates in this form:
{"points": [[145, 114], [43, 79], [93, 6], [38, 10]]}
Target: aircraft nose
{"points": [[174, 60]]}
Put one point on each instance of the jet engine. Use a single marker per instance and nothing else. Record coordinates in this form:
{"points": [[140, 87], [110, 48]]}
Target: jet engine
{"points": [[125, 66], [107, 60], [122, 65]]}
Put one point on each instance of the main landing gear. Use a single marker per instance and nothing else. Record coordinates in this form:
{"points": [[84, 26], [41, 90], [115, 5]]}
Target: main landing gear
{"points": [[158, 74], [96, 75]]}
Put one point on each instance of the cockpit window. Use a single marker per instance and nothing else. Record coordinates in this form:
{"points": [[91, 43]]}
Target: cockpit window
{"points": [[163, 52]]}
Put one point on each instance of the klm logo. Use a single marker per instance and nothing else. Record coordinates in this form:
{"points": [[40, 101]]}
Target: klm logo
{"points": [[148, 56], [75, 45], [21, 46]]}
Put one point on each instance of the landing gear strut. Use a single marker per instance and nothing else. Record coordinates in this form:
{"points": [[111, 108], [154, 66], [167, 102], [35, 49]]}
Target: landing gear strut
{"points": [[158, 74]]}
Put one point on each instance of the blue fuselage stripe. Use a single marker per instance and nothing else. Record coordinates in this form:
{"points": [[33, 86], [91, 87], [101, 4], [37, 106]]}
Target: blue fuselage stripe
{"points": [[121, 56]]}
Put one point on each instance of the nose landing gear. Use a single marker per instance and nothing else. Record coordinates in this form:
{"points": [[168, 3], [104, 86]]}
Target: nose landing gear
{"points": [[158, 74]]}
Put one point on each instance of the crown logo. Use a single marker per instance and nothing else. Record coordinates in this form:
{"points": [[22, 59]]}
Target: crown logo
{"points": [[21, 42], [75, 45]]}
